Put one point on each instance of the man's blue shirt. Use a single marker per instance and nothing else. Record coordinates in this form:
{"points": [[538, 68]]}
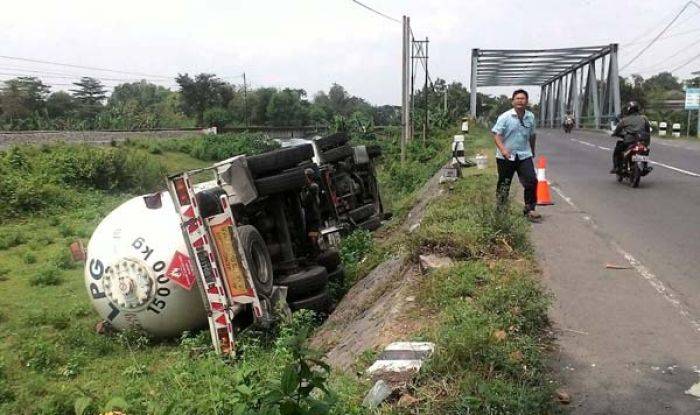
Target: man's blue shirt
{"points": [[516, 135]]}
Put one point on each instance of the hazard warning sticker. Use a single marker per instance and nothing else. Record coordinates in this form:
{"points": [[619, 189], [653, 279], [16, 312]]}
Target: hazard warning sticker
{"points": [[180, 271]]}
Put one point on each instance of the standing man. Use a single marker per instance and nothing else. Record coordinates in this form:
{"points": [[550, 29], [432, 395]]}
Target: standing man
{"points": [[514, 134]]}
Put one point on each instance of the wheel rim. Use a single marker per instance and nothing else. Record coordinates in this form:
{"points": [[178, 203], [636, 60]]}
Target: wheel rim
{"points": [[262, 273]]}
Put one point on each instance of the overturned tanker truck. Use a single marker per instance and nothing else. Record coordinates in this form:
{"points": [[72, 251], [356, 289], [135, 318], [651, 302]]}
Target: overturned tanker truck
{"points": [[232, 244]]}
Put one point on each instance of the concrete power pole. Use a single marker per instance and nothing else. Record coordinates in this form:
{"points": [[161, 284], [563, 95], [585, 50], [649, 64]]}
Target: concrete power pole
{"points": [[245, 101], [405, 87]]}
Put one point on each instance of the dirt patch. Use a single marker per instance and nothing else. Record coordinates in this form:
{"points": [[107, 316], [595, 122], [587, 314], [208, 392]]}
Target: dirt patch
{"points": [[378, 309]]}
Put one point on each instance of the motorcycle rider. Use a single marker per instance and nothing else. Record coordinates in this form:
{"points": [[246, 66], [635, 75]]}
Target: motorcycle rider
{"points": [[568, 121], [632, 128]]}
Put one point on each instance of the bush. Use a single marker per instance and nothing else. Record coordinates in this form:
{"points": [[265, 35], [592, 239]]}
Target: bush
{"points": [[29, 257], [222, 146], [47, 276], [10, 238], [217, 117], [33, 179]]}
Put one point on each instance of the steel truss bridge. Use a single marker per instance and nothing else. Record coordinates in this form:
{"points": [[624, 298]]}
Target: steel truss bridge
{"points": [[582, 80]]}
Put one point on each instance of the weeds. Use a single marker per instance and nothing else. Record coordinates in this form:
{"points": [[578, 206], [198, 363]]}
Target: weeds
{"points": [[46, 276]]}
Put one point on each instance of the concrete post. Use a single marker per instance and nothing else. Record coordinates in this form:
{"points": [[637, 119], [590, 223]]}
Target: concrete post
{"points": [[472, 84], [615, 79]]}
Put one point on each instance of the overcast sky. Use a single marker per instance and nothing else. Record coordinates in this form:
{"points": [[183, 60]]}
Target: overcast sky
{"points": [[312, 43]]}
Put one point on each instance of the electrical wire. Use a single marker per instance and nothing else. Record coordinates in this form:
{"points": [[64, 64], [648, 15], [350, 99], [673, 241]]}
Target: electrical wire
{"points": [[688, 62], [688, 4], [376, 11], [665, 60], [70, 65]]}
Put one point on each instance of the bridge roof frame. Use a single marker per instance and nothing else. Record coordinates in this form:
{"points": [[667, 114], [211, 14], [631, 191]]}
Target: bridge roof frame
{"points": [[538, 66]]}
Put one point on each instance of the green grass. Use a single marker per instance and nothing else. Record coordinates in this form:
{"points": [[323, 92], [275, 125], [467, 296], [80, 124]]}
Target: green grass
{"points": [[52, 361], [487, 313]]}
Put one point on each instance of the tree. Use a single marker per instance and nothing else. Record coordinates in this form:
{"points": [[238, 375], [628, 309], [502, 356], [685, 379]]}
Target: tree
{"points": [[89, 93], [203, 92], [144, 93], [286, 108], [22, 97], [217, 117], [60, 104], [664, 81]]}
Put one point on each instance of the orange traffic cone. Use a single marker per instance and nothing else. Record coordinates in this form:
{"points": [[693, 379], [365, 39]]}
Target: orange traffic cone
{"points": [[543, 196]]}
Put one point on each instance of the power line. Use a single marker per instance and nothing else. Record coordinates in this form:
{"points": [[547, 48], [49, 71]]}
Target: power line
{"points": [[375, 11], [70, 65], [688, 62], [70, 77], [688, 4], [639, 41], [687, 32], [668, 58]]}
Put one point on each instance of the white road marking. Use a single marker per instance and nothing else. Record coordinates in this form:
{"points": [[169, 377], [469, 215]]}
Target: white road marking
{"points": [[687, 172], [641, 270], [566, 198]]}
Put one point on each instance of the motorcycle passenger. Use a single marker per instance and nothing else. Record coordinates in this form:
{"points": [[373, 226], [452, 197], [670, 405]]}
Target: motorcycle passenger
{"points": [[632, 128]]}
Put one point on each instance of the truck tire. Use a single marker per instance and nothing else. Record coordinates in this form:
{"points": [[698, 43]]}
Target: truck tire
{"points": [[208, 201], [332, 141], [336, 154], [374, 151], [330, 259], [319, 302], [304, 283], [337, 276], [288, 180], [258, 259], [279, 159], [361, 213], [372, 224]]}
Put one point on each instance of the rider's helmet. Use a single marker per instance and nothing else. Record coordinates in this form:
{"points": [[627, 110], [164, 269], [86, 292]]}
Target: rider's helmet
{"points": [[632, 107]]}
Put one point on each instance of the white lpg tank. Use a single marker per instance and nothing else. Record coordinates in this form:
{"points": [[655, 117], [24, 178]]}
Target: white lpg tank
{"points": [[138, 273]]}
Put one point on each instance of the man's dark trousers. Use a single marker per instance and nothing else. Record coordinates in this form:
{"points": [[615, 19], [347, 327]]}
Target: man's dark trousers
{"points": [[526, 174]]}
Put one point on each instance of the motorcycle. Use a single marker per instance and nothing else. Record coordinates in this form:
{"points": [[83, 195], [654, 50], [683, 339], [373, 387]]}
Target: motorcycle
{"points": [[568, 125], [635, 164]]}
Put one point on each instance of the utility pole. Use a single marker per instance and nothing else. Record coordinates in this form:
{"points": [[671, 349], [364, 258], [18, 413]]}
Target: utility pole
{"points": [[405, 79], [245, 101], [419, 54], [444, 94], [425, 94]]}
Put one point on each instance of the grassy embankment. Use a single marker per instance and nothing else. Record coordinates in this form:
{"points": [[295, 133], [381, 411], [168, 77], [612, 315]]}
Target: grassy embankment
{"points": [[486, 314], [52, 361]]}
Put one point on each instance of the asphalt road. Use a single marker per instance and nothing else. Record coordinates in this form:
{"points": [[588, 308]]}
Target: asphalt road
{"points": [[629, 338]]}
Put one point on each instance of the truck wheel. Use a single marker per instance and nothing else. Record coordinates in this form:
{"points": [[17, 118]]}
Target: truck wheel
{"points": [[372, 224], [304, 283], [332, 141], [258, 259], [374, 151], [336, 154], [362, 213], [279, 159], [320, 302], [337, 276], [208, 201], [330, 259], [285, 181]]}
